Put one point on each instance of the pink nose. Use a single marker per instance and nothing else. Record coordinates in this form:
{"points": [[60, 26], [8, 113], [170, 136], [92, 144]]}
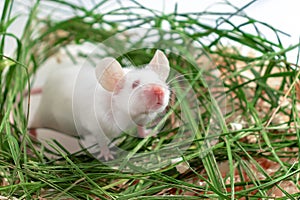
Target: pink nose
{"points": [[158, 93], [155, 95]]}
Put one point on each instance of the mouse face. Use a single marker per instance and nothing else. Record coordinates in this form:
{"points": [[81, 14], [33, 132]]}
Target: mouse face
{"points": [[137, 94], [141, 94]]}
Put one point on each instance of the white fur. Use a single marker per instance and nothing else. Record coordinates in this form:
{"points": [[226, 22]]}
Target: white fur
{"points": [[74, 102]]}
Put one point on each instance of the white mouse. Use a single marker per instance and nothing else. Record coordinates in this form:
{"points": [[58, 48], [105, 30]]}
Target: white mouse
{"points": [[99, 103]]}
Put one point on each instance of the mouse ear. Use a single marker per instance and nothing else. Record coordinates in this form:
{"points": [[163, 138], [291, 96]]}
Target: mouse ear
{"points": [[160, 65], [109, 72]]}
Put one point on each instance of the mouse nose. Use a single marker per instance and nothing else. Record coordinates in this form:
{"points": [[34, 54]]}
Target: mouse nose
{"points": [[158, 93], [154, 96]]}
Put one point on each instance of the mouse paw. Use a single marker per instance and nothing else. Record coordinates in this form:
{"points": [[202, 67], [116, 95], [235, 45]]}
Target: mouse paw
{"points": [[106, 154], [142, 132]]}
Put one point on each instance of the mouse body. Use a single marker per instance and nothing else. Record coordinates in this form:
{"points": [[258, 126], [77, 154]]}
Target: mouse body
{"points": [[99, 103]]}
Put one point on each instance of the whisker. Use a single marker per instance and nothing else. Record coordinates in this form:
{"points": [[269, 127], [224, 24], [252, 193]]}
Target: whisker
{"points": [[178, 76]]}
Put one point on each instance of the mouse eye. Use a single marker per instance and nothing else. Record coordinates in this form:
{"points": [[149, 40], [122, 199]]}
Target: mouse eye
{"points": [[135, 84]]}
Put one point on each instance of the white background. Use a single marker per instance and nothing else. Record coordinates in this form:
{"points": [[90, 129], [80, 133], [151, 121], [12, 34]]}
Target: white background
{"points": [[284, 15]]}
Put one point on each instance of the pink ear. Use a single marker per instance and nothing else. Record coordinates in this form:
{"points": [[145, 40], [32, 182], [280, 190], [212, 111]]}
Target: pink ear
{"points": [[160, 65], [109, 72]]}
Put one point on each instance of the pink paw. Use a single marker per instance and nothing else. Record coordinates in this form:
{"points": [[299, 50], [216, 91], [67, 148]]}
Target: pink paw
{"points": [[142, 132], [106, 154], [33, 132]]}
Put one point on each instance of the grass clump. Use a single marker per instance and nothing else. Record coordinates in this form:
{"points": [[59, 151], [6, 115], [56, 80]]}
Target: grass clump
{"points": [[243, 137]]}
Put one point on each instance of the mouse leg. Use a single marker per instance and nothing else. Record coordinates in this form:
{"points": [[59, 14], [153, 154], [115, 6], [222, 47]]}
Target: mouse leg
{"points": [[97, 145]]}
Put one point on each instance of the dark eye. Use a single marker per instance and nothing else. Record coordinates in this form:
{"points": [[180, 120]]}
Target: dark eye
{"points": [[135, 84]]}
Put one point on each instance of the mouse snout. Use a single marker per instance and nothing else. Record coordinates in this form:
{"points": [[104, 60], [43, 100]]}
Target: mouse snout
{"points": [[158, 92], [155, 95]]}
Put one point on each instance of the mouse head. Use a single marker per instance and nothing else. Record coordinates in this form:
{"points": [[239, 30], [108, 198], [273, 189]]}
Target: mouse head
{"points": [[138, 93]]}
